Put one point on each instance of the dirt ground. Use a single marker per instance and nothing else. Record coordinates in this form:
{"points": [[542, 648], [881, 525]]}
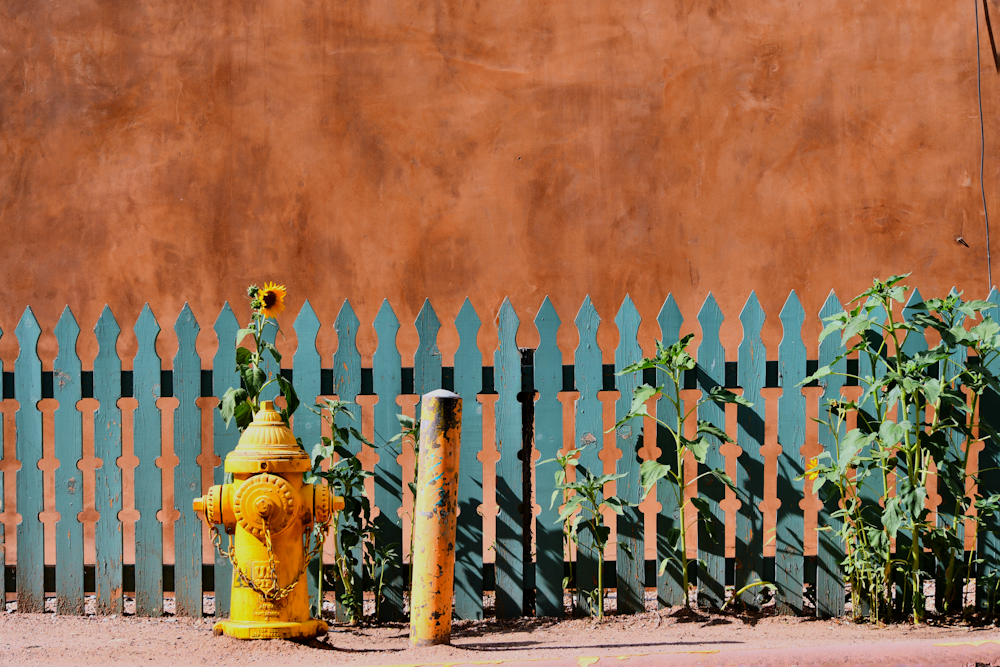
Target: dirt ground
{"points": [[666, 637]]}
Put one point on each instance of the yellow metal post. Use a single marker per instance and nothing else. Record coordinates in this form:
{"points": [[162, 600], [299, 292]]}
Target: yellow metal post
{"points": [[434, 519]]}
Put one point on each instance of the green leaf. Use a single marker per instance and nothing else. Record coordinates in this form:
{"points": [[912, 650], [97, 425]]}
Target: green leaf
{"points": [[243, 333], [615, 504], [650, 472], [852, 443], [892, 518], [821, 373], [272, 349], [243, 356], [720, 395], [699, 448], [835, 323], [708, 428], [291, 398]]}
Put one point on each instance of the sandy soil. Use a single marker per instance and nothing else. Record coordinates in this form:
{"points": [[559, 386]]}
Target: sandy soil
{"points": [[664, 637]]}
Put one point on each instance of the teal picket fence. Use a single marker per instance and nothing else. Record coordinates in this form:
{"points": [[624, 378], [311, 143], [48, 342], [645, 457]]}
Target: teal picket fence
{"points": [[527, 576]]}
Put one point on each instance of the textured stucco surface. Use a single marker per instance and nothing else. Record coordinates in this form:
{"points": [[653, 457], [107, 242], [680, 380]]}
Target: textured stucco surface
{"points": [[172, 151]]}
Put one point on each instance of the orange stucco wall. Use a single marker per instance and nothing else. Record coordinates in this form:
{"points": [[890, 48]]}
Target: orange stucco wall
{"points": [[172, 151]]}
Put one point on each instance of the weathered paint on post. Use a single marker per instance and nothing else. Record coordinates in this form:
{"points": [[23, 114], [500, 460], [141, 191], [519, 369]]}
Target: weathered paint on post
{"points": [[435, 518], [670, 586], [829, 548], [750, 464], [789, 549], [68, 427], [224, 376], [549, 539], [629, 559], [28, 420], [108, 478], [187, 474], [147, 447], [469, 535]]}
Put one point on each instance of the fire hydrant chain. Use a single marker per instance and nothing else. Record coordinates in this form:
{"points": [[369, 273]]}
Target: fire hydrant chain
{"points": [[274, 593]]}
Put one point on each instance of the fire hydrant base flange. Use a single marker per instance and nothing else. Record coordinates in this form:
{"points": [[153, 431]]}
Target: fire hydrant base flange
{"points": [[275, 630]]}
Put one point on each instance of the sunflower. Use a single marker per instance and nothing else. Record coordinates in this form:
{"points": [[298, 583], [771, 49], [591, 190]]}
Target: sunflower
{"points": [[811, 472], [272, 298]]}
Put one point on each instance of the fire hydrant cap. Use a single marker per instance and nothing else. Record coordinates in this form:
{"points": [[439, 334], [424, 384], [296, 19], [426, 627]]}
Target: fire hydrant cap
{"points": [[267, 445]]}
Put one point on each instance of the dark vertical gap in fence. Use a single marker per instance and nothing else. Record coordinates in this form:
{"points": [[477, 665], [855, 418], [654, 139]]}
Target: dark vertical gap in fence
{"points": [[789, 524], [988, 537], [589, 375], [526, 397], [670, 586], [509, 525], [549, 558], [630, 554], [224, 440], [830, 549], [388, 471], [306, 365], [108, 545], [187, 475], [750, 464], [346, 384], [711, 371], [147, 447], [68, 431], [30, 496], [468, 383]]}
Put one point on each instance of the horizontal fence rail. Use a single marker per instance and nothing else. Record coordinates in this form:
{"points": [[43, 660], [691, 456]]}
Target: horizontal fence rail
{"points": [[527, 414]]}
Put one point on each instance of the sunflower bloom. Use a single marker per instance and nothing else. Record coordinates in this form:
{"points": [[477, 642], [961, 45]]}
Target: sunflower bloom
{"points": [[811, 472], [272, 298]]}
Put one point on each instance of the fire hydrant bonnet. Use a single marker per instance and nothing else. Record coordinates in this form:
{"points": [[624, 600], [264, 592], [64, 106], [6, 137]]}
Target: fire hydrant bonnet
{"points": [[267, 445]]}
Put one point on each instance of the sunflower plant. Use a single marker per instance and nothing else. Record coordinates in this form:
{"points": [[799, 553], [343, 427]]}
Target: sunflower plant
{"points": [[242, 403]]}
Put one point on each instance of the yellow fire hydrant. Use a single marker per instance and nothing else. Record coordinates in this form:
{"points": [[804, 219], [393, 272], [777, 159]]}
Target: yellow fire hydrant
{"points": [[269, 515]]}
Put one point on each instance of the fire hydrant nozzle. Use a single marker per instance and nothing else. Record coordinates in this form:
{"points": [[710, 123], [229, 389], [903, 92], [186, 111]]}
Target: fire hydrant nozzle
{"points": [[266, 511]]}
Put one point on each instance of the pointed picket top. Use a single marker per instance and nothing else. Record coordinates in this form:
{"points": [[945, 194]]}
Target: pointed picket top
{"points": [[831, 306], [146, 328], [915, 341], [792, 316], [186, 327], [710, 311], [226, 319], [507, 319], [27, 333], [752, 316], [107, 326], [346, 320], [468, 319], [670, 320], [67, 331], [627, 313], [386, 322], [547, 319], [994, 297], [427, 324], [306, 326], [587, 316]]}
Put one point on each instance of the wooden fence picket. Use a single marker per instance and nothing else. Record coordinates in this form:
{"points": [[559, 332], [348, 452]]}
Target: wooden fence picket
{"points": [[589, 438], [108, 496], [187, 474], [750, 464], [68, 431], [307, 424], [829, 548], [388, 471], [711, 373], [347, 386], [630, 557], [146, 446], [509, 526], [789, 550], [427, 359], [469, 531], [670, 586], [30, 497], [225, 439]]}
